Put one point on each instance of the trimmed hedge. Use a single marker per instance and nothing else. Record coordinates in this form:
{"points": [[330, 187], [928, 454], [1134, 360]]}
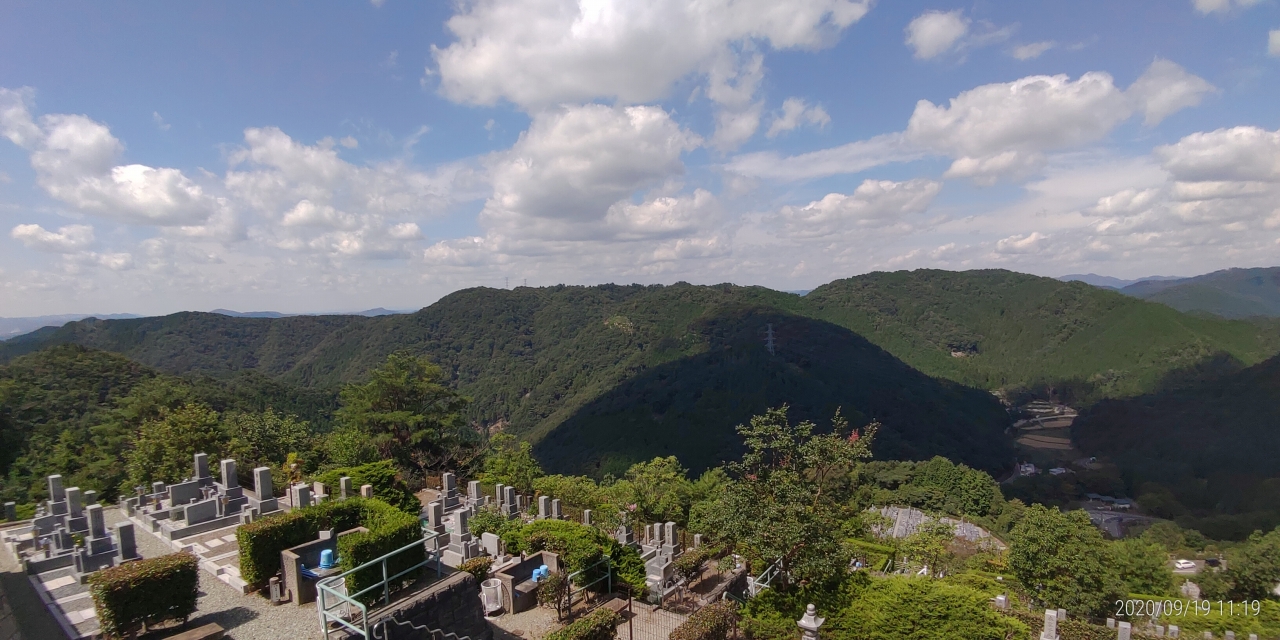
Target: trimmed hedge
{"points": [[384, 478], [146, 591], [597, 625], [712, 622], [389, 529]]}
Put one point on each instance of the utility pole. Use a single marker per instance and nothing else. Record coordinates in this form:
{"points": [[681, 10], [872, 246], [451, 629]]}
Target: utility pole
{"points": [[768, 341]]}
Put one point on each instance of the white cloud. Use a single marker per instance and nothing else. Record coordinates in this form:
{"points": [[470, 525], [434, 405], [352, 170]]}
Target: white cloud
{"points": [[75, 162], [875, 203], [732, 84], [1215, 6], [1238, 154], [1273, 42], [933, 33], [1166, 88], [1033, 50], [572, 164], [796, 112], [1028, 243], [68, 239], [537, 53], [160, 123]]}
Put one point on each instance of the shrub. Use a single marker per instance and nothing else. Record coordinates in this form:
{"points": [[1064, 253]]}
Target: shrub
{"points": [[578, 545], [145, 592], [712, 622], [554, 593], [478, 567], [389, 529], [597, 625], [387, 486], [262, 541], [489, 519]]}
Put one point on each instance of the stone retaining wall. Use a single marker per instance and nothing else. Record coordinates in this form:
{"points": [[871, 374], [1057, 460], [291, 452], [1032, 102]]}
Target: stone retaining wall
{"points": [[8, 624], [451, 605]]}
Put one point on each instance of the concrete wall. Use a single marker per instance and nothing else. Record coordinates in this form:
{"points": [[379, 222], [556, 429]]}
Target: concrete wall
{"points": [[451, 605]]}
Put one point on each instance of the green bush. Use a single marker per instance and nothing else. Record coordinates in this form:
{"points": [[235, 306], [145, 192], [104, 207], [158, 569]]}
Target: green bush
{"points": [[712, 622], [262, 541], [478, 567], [389, 529], [145, 592], [382, 475], [597, 625]]}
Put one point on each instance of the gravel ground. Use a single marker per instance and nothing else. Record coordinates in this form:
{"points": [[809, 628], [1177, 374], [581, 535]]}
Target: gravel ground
{"points": [[244, 617], [530, 625]]}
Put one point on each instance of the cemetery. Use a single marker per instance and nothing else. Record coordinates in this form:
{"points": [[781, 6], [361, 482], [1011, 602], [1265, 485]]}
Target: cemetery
{"points": [[313, 557]]}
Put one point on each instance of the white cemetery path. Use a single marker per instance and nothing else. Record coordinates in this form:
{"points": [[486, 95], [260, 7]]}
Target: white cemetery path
{"points": [[247, 617]]}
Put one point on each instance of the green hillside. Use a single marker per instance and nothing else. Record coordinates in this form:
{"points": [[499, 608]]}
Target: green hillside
{"points": [[1231, 293], [75, 411], [1206, 455], [998, 329]]}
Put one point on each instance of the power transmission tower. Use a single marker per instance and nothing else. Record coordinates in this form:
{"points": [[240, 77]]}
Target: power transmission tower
{"points": [[506, 282], [768, 340]]}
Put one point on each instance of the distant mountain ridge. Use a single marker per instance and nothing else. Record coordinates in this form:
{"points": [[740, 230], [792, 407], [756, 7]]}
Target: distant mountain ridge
{"points": [[1230, 293], [1108, 282], [14, 327]]}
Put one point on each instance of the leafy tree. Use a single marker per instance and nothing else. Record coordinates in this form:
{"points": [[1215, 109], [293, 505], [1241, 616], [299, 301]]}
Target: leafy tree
{"points": [[928, 545], [554, 593], [1062, 561], [779, 506], [266, 438], [511, 462], [408, 413], [349, 447], [167, 444], [1253, 569], [895, 608], [1143, 566], [660, 489]]}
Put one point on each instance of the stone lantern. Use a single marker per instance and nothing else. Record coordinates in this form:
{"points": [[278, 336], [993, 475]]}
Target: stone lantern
{"points": [[810, 623]]}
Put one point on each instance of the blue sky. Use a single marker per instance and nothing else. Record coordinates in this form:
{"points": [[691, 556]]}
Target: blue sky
{"points": [[338, 156]]}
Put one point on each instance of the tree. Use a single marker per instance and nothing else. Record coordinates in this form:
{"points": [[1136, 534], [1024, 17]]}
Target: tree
{"points": [[1062, 561], [266, 438], [511, 462], [1143, 566], [896, 607], [660, 489], [928, 545], [780, 505], [554, 593], [408, 414], [1253, 570], [167, 445]]}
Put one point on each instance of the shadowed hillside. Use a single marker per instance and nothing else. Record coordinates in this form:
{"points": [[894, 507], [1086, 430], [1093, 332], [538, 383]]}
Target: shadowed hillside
{"points": [[1207, 455], [689, 407]]}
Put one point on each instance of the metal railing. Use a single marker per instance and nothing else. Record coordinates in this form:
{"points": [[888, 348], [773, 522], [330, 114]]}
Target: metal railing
{"points": [[335, 605], [608, 577], [757, 584]]}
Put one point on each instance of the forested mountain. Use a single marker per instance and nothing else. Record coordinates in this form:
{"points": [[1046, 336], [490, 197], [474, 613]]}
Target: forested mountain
{"points": [[998, 329], [1207, 455], [1231, 293], [601, 377], [75, 411]]}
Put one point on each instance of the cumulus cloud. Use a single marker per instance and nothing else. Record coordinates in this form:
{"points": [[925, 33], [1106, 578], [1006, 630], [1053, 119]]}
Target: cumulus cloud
{"points": [[795, 113], [572, 164], [1166, 88], [1032, 50], [68, 239], [75, 161], [537, 53], [875, 203], [935, 32]]}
